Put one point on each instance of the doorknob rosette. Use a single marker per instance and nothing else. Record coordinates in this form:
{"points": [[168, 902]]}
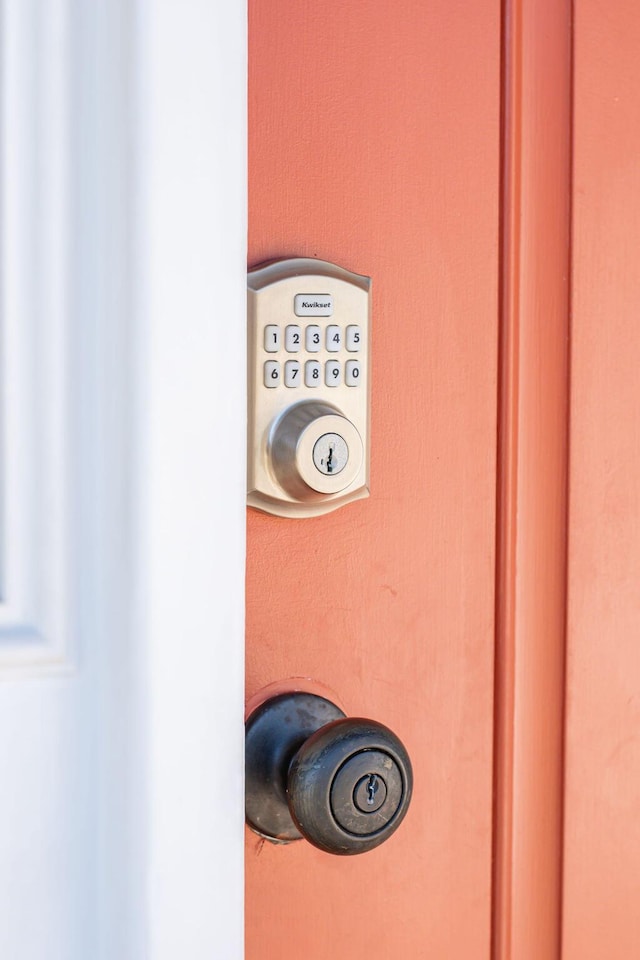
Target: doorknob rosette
{"points": [[344, 785]]}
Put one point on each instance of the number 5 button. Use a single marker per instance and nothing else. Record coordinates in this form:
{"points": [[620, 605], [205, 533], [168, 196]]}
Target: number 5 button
{"points": [[354, 338]]}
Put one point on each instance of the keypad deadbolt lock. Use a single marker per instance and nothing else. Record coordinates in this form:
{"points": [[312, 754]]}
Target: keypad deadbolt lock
{"points": [[342, 783], [309, 340]]}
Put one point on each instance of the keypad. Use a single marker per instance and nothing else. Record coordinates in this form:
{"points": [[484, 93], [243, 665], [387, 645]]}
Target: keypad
{"points": [[296, 338]]}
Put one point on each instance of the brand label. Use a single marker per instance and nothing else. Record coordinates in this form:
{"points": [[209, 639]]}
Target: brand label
{"points": [[313, 305]]}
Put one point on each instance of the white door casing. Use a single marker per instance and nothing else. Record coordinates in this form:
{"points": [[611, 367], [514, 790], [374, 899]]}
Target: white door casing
{"points": [[122, 454]]}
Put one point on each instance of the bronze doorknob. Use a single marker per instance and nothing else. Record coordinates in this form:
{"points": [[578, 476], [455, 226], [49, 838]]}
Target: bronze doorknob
{"points": [[342, 783]]}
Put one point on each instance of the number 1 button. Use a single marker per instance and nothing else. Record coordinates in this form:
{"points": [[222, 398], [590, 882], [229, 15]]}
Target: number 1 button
{"points": [[272, 338]]}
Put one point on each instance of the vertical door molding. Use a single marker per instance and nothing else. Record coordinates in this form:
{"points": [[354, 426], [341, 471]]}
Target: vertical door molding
{"points": [[39, 526], [532, 479]]}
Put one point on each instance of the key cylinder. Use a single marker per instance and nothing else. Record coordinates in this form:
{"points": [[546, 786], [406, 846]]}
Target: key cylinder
{"points": [[330, 454]]}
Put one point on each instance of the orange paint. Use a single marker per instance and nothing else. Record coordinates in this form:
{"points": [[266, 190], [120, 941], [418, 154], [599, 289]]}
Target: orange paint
{"points": [[532, 490], [602, 808], [374, 143]]}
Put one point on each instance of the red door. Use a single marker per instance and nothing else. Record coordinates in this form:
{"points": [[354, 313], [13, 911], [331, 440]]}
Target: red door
{"points": [[488, 183], [375, 144]]}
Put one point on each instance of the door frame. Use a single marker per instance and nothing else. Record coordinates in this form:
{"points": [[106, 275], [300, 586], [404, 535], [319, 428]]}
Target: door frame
{"points": [[190, 200]]}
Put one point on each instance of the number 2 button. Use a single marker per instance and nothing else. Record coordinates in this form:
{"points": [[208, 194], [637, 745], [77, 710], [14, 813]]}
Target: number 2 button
{"points": [[292, 340]]}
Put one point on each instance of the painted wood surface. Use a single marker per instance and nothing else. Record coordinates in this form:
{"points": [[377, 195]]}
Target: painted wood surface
{"points": [[533, 462], [374, 142], [602, 817]]}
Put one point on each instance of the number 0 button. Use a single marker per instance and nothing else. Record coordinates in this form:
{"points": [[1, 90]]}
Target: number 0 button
{"points": [[352, 373], [272, 373]]}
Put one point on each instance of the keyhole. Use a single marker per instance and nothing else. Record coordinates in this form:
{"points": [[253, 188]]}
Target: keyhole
{"points": [[372, 789], [330, 460]]}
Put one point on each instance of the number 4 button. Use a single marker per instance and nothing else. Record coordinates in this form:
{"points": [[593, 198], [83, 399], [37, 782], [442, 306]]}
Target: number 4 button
{"points": [[334, 338]]}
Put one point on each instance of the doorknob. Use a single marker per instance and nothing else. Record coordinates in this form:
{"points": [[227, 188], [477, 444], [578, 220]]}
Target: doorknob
{"points": [[342, 783]]}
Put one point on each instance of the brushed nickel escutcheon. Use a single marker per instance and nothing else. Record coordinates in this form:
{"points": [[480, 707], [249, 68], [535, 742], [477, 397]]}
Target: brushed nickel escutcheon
{"points": [[309, 359]]}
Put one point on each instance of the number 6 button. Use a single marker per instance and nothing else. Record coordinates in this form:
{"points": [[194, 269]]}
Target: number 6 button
{"points": [[272, 373]]}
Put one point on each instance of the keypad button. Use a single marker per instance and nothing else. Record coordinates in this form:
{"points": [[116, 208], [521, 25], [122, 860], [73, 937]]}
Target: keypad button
{"points": [[352, 373], [272, 373], [313, 338], [292, 339], [272, 338], [312, 373], [292, 373], [332, 373], [354, 338], [334, 338]]}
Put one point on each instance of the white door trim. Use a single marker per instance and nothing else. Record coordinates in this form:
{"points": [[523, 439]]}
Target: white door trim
{"points": [[122, 469], [190, 296]]}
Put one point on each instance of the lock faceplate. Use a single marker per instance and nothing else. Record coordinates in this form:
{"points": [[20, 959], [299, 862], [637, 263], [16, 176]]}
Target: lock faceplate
{"points": [[309, 358]]}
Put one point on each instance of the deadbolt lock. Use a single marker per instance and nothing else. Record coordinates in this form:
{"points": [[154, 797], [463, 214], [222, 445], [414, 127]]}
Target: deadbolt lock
{"points": [[309, 333]]}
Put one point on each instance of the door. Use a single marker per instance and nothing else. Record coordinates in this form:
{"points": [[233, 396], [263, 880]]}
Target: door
{"points": [[374, 143]]}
